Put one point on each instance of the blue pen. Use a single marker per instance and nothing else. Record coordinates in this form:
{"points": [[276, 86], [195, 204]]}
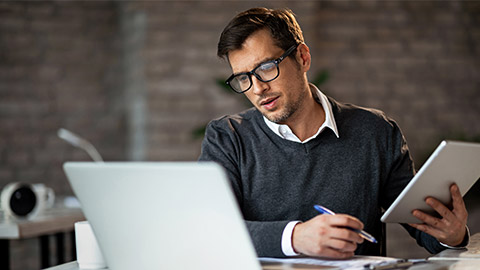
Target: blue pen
{"points": [[362, 233]]}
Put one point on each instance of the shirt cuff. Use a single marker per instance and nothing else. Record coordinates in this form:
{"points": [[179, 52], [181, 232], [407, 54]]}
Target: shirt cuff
{"points": [[464, 243], [287, 247]]}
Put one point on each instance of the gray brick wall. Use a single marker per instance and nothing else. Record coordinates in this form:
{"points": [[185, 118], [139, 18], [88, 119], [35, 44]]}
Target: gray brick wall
{"points": [[416, 60], [76, 65], [58, 68]]}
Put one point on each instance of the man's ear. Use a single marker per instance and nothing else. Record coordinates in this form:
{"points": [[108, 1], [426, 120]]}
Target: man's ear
{"points": [[303, 56]]}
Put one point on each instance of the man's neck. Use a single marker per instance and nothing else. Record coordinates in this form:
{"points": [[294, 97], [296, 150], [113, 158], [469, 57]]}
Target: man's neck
{"points": [[306, 121]]}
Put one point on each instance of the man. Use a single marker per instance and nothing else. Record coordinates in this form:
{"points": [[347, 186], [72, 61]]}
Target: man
{"points": [[297, 148]]}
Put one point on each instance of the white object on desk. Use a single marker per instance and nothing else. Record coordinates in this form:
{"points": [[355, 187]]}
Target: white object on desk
{"points": [[22, 201], [163, 215], [357, 262], [89, 255], [471, 252]]}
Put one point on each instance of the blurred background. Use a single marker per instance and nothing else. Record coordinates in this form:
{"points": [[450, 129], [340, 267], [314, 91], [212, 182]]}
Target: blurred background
{"points": [[139, 79]]}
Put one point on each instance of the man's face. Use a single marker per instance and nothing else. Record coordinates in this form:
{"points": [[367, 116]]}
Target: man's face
{"points": [[281, 98]]}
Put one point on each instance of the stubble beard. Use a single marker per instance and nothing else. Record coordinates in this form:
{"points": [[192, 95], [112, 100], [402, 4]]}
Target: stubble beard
{"points": [[288, 110]]}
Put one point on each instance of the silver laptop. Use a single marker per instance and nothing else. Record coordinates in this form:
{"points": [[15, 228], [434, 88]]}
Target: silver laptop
{"points": [[163, 215]]}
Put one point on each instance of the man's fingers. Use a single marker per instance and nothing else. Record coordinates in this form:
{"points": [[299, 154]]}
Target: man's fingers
{"points": [[327, 236], [450, 229], [440, 209], [450, 232], [427, 219], [338, 229], [342, 245], [347, 234], [341, 220], [427, 229], [341, 228], [459, 208]]}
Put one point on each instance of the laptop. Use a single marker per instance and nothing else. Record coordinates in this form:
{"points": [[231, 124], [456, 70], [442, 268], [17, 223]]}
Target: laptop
{"points": [[163, 215]]}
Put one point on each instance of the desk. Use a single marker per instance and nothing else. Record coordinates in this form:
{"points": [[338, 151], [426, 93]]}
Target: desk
{"points": [[464, 259], [437, 265], [55, 221]]}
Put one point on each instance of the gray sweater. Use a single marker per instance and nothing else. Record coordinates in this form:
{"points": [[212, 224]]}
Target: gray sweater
{"points": [[276, 181]]}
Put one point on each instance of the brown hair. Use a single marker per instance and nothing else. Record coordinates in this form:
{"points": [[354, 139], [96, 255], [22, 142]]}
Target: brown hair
{"points": [[281, 23]]}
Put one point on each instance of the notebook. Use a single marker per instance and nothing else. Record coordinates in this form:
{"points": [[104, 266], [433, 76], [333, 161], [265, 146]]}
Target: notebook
{"points": [[163, 215]]}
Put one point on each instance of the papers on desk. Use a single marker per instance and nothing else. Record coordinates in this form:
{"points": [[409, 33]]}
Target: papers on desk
{"points": [[472, 252], [357, 262]]}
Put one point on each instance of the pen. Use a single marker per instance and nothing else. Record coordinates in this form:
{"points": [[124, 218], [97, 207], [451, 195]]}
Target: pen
{"points": [[393, 265], [389, 265], [362, 233]]}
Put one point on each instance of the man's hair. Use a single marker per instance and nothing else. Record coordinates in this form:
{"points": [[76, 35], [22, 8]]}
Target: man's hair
{"points": [[281, 23]]}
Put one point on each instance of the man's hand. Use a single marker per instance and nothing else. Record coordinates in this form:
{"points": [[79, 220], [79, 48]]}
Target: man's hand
{"points": [[450, 229], [326, 236]]}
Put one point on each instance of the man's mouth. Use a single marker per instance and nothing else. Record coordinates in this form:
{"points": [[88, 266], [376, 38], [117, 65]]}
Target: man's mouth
{"points": [[269, 103]]}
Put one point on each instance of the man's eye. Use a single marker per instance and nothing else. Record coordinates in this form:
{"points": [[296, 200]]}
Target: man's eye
{"points": [[242, 79], [266, 67]]}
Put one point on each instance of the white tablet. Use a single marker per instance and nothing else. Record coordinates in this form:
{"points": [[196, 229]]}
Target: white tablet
{"points": [[452, 162]]}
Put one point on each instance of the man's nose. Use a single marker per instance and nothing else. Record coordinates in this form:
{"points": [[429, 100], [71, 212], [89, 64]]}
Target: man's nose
{"points": [[258, 87]]}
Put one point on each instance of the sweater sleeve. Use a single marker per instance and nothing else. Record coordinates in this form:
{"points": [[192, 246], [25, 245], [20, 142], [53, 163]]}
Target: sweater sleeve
{"points": [[219, 146], [223, 146], [400, 173]]}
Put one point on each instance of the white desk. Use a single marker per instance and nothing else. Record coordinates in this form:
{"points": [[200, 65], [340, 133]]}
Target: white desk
{"points": [[55, 221], [464, 259]]}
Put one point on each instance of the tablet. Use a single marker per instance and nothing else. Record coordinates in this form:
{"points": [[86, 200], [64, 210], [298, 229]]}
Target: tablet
{"points": [[452, 162]]}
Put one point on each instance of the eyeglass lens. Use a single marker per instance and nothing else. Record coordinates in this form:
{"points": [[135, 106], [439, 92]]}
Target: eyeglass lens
{"points": [[265, 73]]}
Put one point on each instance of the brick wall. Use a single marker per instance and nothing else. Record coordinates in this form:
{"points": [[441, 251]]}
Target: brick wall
{"points": [[138, 78], [63, 65], [58, 68], [416, 60]]}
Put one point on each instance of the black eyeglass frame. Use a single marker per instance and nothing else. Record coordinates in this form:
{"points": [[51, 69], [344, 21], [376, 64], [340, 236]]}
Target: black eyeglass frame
{"points": [[252, 72]]}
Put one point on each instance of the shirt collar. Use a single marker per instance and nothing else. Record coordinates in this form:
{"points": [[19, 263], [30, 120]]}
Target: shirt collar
{"points": [[285, 132]]}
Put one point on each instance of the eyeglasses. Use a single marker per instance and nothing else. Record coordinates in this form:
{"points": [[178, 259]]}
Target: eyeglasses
{"points": [[265, 72]]}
